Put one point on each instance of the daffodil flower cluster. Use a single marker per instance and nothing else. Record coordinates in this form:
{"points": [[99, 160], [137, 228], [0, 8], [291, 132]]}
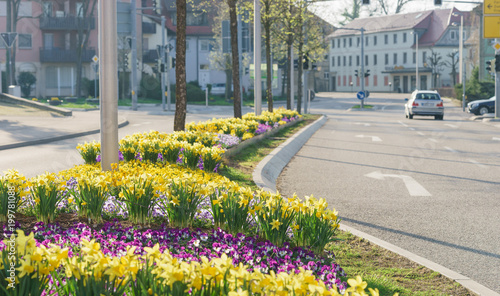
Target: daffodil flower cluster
{"points": [[12, 190]]}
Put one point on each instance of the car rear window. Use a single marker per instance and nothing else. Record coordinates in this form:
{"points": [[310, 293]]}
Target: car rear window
{"points": [[428, 97]]}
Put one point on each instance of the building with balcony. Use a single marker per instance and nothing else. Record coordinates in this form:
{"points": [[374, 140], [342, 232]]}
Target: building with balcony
{"points": [[394, 47]]}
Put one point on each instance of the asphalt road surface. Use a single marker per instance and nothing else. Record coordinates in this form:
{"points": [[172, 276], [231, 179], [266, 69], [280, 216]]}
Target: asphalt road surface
{"points": [[429, 186]]}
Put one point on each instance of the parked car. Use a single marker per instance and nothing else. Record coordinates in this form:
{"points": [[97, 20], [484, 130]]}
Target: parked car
{"points": [[424, 103], [481, 107], [218, 89]]}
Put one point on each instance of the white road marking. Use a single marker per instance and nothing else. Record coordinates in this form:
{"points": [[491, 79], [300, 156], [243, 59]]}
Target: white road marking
{"points": [[432, 140], [495, 139], [374, 138], [403, 124], [412, 129], [421, 133], [450, 149], [361, 123], [413, 187], [451, 125], [477, 163]]}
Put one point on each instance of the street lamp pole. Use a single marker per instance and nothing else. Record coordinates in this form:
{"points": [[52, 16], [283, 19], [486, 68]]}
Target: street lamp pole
{"points": [[462, 60], [416, 59]]}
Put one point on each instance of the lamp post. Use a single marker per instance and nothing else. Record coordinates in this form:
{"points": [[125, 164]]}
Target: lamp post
{"points": [[416, 59], [461, 66], [390, 86]]}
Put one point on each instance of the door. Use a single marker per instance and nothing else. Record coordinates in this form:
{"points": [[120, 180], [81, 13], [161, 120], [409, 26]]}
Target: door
{"points": [[332, 84], [405, 84]]}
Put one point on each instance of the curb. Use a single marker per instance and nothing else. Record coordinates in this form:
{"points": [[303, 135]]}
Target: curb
{"points": [[268, 170], [20, 101], [56, 138]]}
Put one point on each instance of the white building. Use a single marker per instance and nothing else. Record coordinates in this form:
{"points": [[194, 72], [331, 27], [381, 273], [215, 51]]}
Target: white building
{"points": [[391, 53]]}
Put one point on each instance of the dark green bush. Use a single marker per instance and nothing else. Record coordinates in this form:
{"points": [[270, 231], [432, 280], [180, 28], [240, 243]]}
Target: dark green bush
{"points": [[26, 81], [150, 87]]}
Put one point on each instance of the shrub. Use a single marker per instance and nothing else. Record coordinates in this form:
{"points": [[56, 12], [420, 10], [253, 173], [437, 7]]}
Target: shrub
{"points": [[26, 80], [150, 87]]}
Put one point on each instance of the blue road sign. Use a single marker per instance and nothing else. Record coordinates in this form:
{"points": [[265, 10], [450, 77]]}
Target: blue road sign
{"points": [[361, 95]]}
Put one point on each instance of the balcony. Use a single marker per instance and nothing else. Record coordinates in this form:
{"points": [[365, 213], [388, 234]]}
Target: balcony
{"points": [[150, 56], [58, 55], [148, 28], [66, 23]]}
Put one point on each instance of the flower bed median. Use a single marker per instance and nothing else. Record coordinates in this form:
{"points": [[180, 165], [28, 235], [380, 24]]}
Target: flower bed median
{"points": [[251, 243]]}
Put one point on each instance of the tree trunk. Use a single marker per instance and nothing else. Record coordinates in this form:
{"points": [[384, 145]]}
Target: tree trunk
{"points": [[299, 78], [289, 90], [269, 90], [180, 68], [227, 92], [235, 57], [8, 61]]}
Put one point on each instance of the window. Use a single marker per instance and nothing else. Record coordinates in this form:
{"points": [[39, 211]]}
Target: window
{"points": [[357, 39], [187, 44], [326, 75], [405, 58], [192, 19], [344, 41], [453, 35], [338, 43], [386, 39], [350, 60], [344, 61], [404, 37], [204, 67], [366, 60], [395, 37], [47, 9], [395, 58], [333, 43], [374, 40], [357, 60], [59, 77], [414, 58], [387, 59], [374, 59], [366, 40], [338, 61], [424, 57], [79, 9], [24, 41], [204, 45], [333, 61], [350, 42]]}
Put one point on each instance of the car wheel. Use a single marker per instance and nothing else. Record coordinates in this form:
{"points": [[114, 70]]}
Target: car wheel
{"points": [[483, 110], [438, 117], [410, 116]]}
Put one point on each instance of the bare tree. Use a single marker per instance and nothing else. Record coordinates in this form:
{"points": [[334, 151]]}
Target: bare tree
{"points": [[180, 68], [386, 6], [352, 13], [453, 65], [436, 66], [12, 19]]}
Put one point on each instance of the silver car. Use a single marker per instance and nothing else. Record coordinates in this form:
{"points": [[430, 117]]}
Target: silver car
{"points": [[424, 103]]}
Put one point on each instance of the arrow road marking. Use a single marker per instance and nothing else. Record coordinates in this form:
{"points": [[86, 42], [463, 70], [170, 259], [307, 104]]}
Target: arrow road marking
{"points": [[414, 188], [374, 138]]}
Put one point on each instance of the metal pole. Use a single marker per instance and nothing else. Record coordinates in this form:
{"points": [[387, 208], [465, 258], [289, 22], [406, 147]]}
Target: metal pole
{"points": [[162, 55], [167, 67], [108, 83], [292, 86], [362, 65], [257, 59], [240, 55], [462, 60], [133, 57], [416, 61]]}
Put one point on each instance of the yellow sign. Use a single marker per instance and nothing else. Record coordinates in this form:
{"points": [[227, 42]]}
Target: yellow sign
{"points": [[491, 6], [491, 27]]}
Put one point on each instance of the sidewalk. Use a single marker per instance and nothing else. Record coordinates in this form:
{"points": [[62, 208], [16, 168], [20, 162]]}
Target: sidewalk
{"points": [[20, 130]]}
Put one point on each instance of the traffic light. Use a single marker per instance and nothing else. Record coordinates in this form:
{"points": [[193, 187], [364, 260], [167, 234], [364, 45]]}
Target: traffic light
{"points": [[305, 63], [438, 2], [367, 73], [356, 73], [497, 63], [488, 65], [173, 63], [126, 61], [157, 6]]}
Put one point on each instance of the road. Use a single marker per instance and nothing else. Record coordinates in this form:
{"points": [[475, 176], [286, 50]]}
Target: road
{"points": [[60, 155], [429, 186]]}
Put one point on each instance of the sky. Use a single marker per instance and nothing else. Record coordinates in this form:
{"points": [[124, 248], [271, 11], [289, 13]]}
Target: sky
{"points": [[332, 10]]}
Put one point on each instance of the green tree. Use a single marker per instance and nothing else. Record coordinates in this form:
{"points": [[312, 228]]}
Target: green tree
{"points": [[26, 80]]}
